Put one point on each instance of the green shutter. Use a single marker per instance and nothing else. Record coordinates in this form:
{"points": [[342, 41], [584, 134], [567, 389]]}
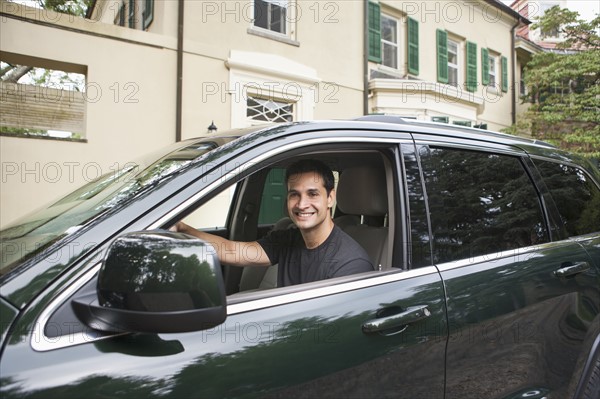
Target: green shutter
{"points": [[440, 119], [131, 16], [413, 46], [485, 66], [374, 32], [442, 55], [148, 13], [504, 74], [471, 83]]}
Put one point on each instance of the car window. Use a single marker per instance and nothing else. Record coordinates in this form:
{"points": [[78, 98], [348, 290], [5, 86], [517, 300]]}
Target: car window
{"points": [[575, 195], [213, 214], [479, 203]]}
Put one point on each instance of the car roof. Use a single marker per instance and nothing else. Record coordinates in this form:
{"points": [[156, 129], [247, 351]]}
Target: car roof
{"points": [[392, 123]]}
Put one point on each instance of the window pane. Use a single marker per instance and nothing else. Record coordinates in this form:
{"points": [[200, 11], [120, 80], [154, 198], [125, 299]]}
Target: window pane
{"points": [[452, 52], [388, 29], [261, 14], [479, 203], [278, 18], [575, 195], [389, 41], [390, 56]]}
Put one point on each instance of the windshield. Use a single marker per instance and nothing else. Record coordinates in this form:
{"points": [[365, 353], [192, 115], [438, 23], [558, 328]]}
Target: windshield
{"points": [[37, 231]]}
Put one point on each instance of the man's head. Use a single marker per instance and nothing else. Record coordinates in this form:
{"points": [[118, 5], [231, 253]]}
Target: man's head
{"points": [[310, 194], [312, 165]]}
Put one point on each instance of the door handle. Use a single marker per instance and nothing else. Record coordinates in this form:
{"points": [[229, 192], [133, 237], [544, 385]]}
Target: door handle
{"points": [[572, 269], [410, 315]]}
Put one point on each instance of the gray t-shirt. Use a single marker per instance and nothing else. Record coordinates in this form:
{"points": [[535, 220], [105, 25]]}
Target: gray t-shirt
{"points": [[338, 256]]}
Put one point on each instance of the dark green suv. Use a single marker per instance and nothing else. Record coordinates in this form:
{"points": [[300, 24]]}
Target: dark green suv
{"points": [[487, 250]]}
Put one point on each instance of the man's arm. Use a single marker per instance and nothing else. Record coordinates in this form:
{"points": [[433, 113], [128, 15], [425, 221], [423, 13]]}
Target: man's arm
{"points": [[236, 253]]}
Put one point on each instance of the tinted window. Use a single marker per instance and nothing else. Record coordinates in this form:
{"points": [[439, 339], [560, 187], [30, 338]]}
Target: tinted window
{"points": [[479, 203], [575, 195]]}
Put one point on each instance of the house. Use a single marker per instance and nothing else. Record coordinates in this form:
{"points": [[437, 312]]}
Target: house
{"points": [[161, 71]]}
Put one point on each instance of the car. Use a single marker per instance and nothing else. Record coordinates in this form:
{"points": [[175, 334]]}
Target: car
{"points": [[486, 245]]}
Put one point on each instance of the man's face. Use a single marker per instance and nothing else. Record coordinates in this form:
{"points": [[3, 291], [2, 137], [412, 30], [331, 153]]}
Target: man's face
{"points": [[307, 200]]}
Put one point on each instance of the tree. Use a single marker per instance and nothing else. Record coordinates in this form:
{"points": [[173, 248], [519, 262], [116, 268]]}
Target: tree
{"points": [[564, 87]]}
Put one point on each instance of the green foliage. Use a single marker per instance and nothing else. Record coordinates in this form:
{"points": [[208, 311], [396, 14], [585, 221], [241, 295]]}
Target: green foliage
{"points": [[72, 7], [564, 88]]}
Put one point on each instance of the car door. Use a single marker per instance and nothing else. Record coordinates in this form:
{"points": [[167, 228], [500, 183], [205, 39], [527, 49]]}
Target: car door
{"points": [[380, 334], [518, 318]]}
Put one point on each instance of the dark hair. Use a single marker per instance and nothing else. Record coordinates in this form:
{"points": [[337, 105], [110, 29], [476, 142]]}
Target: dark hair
{"points": [[312, 165]]}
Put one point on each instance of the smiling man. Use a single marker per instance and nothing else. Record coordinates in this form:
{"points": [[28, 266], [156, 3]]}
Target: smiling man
{"points": [[317, 249]]}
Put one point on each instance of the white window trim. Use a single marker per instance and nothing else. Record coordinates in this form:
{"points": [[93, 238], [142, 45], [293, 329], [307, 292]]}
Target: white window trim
{"points": [[270, 76]]}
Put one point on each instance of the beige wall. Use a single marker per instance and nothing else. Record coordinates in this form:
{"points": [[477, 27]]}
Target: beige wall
{"points": [[131, 78], [129, 106]]}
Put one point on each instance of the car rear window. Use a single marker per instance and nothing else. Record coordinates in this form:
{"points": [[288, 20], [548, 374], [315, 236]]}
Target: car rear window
{"points": [[576, 196]]}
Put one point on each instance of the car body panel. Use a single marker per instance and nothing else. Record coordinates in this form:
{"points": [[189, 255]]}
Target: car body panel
{"points": [[513, 322], [314, 345]]}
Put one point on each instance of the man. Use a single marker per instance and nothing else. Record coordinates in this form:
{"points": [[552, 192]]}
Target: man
{"points": [[316, 250]]}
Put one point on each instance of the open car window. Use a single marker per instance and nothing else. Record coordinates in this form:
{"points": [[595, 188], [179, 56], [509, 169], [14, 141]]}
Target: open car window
{"points": [[256, 205]]}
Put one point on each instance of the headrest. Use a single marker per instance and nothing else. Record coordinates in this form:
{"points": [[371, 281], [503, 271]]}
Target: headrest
{"points": [[362, 191]]}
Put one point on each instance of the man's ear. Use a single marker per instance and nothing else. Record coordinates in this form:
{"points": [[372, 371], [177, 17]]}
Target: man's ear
{"points": [[331, 198]]}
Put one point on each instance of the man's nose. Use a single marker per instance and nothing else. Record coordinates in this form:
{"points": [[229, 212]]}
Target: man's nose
{"points": [[302, 201]]}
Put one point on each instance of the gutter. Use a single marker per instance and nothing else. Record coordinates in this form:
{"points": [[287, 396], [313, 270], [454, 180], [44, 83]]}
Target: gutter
{"points": [[366, 58], [179, 83]]}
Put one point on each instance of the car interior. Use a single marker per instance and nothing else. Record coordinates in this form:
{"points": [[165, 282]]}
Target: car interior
{"points": [[364, 208]]}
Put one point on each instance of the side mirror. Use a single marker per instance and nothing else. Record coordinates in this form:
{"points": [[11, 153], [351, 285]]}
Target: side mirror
{"points": [[156, 282]]}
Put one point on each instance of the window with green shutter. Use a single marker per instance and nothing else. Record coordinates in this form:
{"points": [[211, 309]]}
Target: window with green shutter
{"points": [[374, 21], [485, 66], [504, 62], [413, 46], [442, 55], [471, 83], [440, 119]]}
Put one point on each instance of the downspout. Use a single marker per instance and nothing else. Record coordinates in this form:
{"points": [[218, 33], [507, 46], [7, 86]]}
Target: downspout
{"points": [[366, 59], [178, 100], [513, 66]]}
